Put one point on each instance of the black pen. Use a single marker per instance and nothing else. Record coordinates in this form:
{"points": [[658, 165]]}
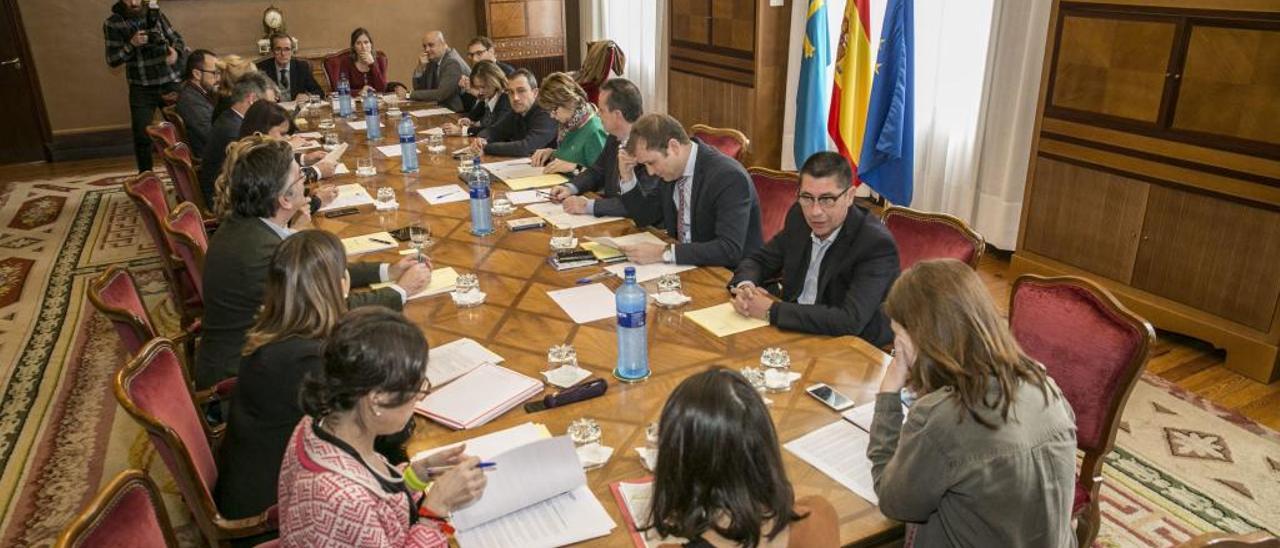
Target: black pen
{"points": [[382, 241]]}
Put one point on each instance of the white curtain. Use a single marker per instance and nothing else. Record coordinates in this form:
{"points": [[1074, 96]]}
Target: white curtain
{"points": [[977, 83], [640, 29]]}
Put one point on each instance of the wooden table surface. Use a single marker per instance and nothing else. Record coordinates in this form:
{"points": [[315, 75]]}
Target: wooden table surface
{"points": [[520, 322]]}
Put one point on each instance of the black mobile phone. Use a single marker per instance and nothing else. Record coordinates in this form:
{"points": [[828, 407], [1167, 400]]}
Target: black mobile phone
{"points": [[830, 397], [400, 234]]}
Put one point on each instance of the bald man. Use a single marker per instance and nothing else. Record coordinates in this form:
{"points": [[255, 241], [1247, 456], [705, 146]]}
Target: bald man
{"points": [[438, 72]]}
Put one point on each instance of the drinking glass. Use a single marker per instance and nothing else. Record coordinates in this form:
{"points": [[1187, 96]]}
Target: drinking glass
{"points": [[435, 143], [364, 167], [419, 236], [584, 431], [561, 355], [562, 239], [467, 283], [501, 204], [464, 163], [326, 123], [330, 139], [386, 197]]}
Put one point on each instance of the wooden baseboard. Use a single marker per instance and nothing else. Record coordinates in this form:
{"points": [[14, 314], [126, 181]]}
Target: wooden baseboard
{"points": [[85, 145]]}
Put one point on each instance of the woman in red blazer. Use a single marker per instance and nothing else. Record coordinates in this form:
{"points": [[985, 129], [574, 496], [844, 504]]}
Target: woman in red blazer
{"points": [[363, 65]]}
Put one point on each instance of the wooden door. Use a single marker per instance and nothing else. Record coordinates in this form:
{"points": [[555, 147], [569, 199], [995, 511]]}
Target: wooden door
{"points": [[1085, 217], [1240, 62], [1214, 254], [21, 106]]}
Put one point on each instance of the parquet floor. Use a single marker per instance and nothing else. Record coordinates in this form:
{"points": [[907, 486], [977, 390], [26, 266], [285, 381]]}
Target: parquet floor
{"points": [[1190, 363]]}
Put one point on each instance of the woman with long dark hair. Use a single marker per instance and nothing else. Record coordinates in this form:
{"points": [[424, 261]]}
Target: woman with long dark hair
{"points": [[986, 456], [720, 480], [364, 66], [335, 488]]}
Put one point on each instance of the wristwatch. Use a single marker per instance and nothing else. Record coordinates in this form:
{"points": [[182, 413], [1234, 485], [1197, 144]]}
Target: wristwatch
{"points": [[669, 254]]}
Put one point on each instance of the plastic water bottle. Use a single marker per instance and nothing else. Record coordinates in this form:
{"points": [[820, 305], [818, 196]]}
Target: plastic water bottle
{"points": [[481, 215], [373, 127], [344, 96], [633, 344], [408, 145]]}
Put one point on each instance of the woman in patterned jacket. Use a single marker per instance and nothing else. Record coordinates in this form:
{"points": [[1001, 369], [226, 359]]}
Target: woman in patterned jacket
{"points": [[335, 489]]}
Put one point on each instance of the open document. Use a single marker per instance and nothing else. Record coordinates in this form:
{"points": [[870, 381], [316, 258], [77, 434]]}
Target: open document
{"points": [[555, 214], [839, 450], [349, 195], [537, 495], [478, 396], [635, 497], [452, 360]]}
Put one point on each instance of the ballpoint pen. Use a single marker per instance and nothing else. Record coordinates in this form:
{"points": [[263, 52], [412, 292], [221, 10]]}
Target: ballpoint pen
{"points": [[597, 276], [438, 470], [381, 241]]}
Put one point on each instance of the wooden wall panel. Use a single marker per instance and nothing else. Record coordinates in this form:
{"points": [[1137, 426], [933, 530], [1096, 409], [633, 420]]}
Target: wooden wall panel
{"points": [[527, 33], [700, 100], [1085, 217], [1113, 67], [1241, 63], [1216, 255]]}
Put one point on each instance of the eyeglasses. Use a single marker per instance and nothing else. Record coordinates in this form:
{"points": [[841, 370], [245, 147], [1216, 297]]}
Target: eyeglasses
{"points": [[282, 50], [826, 201], [477, 53], [215, 71]]}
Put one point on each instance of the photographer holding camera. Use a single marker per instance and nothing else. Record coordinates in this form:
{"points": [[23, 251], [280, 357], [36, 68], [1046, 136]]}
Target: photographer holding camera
{"points": [[142, 39]]}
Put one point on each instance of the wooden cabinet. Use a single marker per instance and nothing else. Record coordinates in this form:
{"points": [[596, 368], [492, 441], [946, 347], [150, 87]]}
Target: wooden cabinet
{"points": [[1156, 166], [527, 33], [727, 68]]}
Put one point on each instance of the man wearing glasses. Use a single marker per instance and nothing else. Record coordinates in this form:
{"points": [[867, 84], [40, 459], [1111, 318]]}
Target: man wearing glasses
{"points": [[195, 101], [836, 262], [479, 49], [292, 76]]}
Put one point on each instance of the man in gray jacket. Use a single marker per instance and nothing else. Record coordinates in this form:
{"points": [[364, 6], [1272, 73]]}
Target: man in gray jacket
{"points": [[439, 69], [195, 101]]}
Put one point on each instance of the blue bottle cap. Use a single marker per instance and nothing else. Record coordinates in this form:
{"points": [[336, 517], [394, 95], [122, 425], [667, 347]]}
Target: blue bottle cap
{"points": [[629, 271]]}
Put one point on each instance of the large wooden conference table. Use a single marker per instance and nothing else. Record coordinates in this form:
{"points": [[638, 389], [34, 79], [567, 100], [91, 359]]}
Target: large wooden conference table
{"points": [[520, 322]]}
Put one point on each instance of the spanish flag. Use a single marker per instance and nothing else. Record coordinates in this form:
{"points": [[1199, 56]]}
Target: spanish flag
{"points": [[851, 90]]}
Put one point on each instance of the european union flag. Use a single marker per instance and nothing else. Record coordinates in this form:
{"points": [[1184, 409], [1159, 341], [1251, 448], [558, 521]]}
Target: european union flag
{"points": [[888, 149], [813, 93]]}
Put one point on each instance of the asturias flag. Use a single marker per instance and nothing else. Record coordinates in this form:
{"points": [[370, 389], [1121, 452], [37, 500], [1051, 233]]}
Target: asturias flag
{"points": [[811, 99], [851, 91], [888, 150]]}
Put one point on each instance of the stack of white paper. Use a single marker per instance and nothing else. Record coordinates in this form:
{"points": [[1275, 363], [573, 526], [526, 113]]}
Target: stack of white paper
{"points": [[512, 169], [522, 197], [478, 397], [443, 194], [491, 445], [423, 113], [646, 272], [556, 215], [390, 151], [450, 361], [537, 495], [585, 304], [839, 450], [369, 243], [350, 195]]}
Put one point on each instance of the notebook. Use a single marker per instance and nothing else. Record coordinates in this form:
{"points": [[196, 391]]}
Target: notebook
{"points": [[452, 360], [722, 320], [350, 195], [512, 169], [537, 495], [634, 498], [443, 281], [556, 215], [369, 243], [839, 450], [478, 397]]}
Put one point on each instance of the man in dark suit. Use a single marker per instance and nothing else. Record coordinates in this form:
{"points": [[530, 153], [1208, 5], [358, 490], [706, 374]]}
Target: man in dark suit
{"points": [[529, 128], [480, 48], [195, 101], [615, 172], [439, 70], [707, 203], [292, 76], [836, 261], [266, 190], [226, 129]]}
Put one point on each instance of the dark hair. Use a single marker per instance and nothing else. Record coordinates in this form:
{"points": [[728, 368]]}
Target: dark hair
{"points": [[355, 35], [195, 61], [482, 40], [262, 116], [718, 457], [303, 295], [257, 173], [277, 36], [372, 349], [528, 76], [624, 96], [827, 163], [656, 130]]}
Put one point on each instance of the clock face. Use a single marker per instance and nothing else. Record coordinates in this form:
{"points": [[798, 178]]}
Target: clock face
{"points": [[272, 19]]}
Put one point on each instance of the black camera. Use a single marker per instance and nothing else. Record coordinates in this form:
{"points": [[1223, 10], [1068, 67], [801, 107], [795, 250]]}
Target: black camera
{"points": [[155, 35]]}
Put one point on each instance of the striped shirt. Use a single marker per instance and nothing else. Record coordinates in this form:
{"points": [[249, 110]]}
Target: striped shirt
{"points": [[144, 65]]}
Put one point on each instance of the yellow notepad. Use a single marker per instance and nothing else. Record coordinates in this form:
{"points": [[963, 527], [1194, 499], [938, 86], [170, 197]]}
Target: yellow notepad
{"points": [[442, 281], [603, 252], [537, 181], [722, 320]]}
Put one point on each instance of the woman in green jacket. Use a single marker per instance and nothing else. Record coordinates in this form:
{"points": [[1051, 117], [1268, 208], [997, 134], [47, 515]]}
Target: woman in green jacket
{"points": [[580, 137]]}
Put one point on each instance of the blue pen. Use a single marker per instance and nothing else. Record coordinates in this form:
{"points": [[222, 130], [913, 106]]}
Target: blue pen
{"points": [[597, 276], [438, 470]]}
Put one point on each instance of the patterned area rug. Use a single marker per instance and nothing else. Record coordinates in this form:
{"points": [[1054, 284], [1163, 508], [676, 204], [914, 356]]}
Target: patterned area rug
{"points": [[1181, 466]]}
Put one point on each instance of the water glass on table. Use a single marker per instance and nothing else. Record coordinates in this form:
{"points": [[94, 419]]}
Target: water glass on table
{"points": [[465, 163], [435, 143], [562, 239], [502, 205], [777, 369], [419, 237], [330, 140], [364, 167], [386, 197]]}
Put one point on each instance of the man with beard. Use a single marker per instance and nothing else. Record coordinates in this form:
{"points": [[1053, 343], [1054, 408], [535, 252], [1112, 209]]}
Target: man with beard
{"points": [[195, 102], [142, 39]]}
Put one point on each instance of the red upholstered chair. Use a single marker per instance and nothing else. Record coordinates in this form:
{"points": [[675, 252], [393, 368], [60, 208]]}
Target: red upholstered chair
{"points": [[777, 192], [115, 294], [730, 141], [163, 135], [152, 388], [333, 67], [182, 171], [148, 196], [190, 241], [1256, 539], [170, 114], [1094, 348], [922, 236], [128, 512]]}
